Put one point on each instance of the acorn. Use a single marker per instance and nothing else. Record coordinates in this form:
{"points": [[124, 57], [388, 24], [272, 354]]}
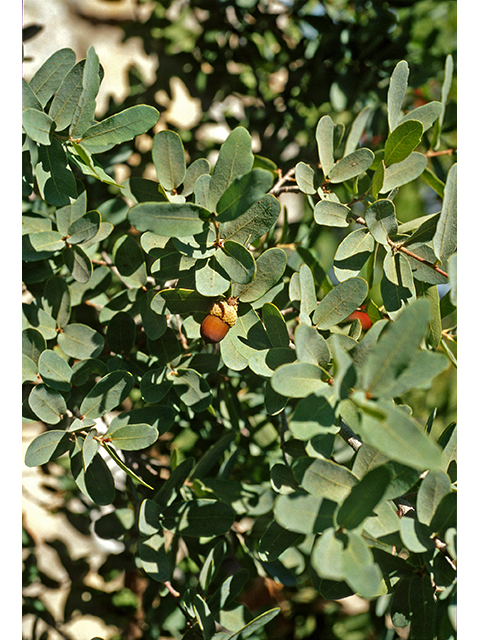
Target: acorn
{"points": [[221, 317]]}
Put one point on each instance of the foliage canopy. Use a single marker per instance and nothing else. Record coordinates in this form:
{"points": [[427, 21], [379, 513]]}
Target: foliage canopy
{"points": [[301, 450]]}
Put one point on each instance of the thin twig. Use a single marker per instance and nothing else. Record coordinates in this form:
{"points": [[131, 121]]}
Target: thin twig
{"points": [[277, 187], [443, 152]]}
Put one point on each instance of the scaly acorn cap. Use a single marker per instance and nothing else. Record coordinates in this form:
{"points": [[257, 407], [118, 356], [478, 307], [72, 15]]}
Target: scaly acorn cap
{"points": [[226, 310]]}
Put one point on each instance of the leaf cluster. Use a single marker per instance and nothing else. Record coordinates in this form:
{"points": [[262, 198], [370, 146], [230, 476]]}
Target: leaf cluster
{"points": [[254, 428]]}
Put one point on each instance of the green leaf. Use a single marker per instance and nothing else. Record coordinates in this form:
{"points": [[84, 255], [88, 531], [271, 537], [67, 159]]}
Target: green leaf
{"points": [[298, 380], [119, 128], [242, 193], [426, 114], [352, 165], [381, 220], [191, 388], [121, 332], [324, 478], [275, 326], [38, 126], [324, 137], [331, 214], [402, 141], [396, 94], [130, 262], [84, 228], [423, 606], [313, 416], [167, 219], [84, 113], [422, 271], [237, 261], [445, 515], [55, 179], [403, 172], [311, 346], [254, 223], [160, 417], [133, 437], [433, 488], [49, 76], [96, 482], [340, 302], [445, 238], [270, 267], [327, 556], [29, 99], [303, 513], [378, 178], [446, 86], [265, 361], [168, 157], [41, 244], [417, 537], [357, 129], [29, 370], [55, 371], [153, 557], [305, 178], [352, 254], [308, 297], [33, 344], [275, 541], [67, 97], [204, 617], [47, 404], [362, 575], [179, 301], [422, 369], [142, 190], [198, 168], [170, 488], [78, 263], [245, 338], [234, 160], [395, 349], [154, 385], [397, 286], [89, 448], [80, 341], [394, 433], [211, 279], [166, 348], [363, 498], [255, 624], [107, 394], [56, 300], [47, 446], [66, 216], [198, 518]]}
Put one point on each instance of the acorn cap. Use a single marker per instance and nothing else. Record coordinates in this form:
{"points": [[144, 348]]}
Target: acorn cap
{"points": [[226, 310]]}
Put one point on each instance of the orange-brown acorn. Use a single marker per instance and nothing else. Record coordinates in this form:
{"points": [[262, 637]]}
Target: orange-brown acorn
{"points": [[222, 316]]}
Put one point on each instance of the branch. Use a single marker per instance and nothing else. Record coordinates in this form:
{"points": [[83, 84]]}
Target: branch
{"points": [[278, 186]]}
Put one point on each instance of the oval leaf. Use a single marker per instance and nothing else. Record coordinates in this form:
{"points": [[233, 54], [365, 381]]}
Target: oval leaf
{"points": [[133, 437], [107, 394], [55, 371], [47, 404], [298, 380], [198, 518], [80, 341], [340, 302], [168, 219], [168, 157], [405, 171], [402, 141], [331, 214], [352, 165], [47, 446]]}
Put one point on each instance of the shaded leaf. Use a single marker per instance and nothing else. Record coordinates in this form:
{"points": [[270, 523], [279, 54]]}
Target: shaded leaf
{"points": [[38, 126], [340, 302], [252, 224], [84, 113], [352, 254], [67, 97], [130, 262], [78, 263], [47, 404], [168, 158], [352, 165], [119, 128], [107, 394], [324, 478], [47, 446], [237, 261], [445, 238], [396, 93], [198, 518], [403, 172], [381, 220], [55, 179], [168, 219], [433, 488], [133, 437], [270, 266], [121, 333], [402, 141], [363, 498], [55, 371], [242, 193]]}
